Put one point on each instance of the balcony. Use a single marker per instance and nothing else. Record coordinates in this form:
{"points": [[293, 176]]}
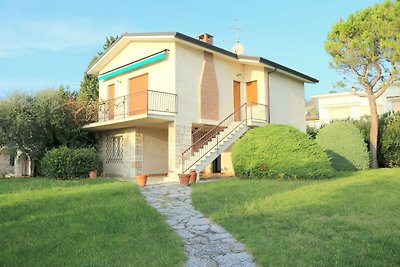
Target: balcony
{"points": [[141, 108]]}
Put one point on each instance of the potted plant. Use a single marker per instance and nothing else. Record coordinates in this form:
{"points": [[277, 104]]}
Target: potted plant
{"points": [[92, 174], [193, 176], [141, 179], [184, 179]]}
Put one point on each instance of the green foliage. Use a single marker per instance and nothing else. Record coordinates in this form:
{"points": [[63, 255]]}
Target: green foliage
{"points": [[312, 131], [279, 152], [89, 88], [70, 163], [344, 144], [364, 125], [367, 45], [366, 48], [36, 123], [389, 145]]}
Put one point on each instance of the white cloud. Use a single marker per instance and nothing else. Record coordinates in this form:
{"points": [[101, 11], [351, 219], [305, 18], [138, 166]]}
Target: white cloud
{"points": [[23, 37]]}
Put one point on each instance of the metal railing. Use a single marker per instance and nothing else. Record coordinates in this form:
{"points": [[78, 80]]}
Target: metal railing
{"points": [[138, 103], [208, 137]]}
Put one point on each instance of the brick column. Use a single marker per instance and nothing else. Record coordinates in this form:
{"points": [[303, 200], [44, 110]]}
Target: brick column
{"points": [[179, 139], [209, 102], [136, 153]]}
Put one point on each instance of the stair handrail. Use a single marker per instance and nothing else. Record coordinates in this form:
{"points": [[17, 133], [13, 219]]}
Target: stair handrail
{"points": [[210, 134]]}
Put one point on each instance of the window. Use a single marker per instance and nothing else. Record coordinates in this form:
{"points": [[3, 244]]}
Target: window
{"points": [[114, 149], [339, 113]]}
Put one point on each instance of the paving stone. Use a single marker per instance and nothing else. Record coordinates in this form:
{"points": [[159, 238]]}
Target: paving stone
{"points": [[199, 262], [205, 242], [234, 259]]}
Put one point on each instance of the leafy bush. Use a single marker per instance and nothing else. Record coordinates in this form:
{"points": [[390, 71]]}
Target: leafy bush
{"points": [[364, 125], [279, 152], [344, 144], [312, 131], [70, 163], [389, 145]]}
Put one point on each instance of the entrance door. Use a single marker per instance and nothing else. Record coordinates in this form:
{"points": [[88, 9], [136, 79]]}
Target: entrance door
{"points": [[216, 165], [251, 92], [111, 96], [138, 94], [236, 99]]}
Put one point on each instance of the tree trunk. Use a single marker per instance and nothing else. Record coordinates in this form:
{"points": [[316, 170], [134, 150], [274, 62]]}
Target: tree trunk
{"points": [[373, 134]]}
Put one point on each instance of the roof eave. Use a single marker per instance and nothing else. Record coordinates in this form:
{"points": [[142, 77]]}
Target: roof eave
{"points": [[285, 69]]}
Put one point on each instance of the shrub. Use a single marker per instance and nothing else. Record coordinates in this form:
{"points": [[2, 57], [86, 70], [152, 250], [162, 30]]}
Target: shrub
{"points": [[344, 144], [70, 163], [279, 152], [389, 145], [364, 125], [312, 131]]}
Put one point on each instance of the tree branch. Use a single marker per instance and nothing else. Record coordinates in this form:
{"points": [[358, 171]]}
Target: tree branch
{"points": [[377, 76]]}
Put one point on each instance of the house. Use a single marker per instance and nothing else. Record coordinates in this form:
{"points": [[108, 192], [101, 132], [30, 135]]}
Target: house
{"points": [[18, 165], [6, 163], [353, 105], [172, 103]]}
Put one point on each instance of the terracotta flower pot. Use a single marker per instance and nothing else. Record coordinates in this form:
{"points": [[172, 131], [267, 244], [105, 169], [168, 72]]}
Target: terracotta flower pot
{"points": [[193, 176], [141, 179], [92, 174], [184, 179]]}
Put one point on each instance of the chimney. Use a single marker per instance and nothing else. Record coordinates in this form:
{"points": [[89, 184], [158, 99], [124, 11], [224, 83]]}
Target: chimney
{"points": [[207, 38]]}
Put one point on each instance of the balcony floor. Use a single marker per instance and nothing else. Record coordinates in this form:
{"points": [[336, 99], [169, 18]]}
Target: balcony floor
{"points": [[131, 121]]}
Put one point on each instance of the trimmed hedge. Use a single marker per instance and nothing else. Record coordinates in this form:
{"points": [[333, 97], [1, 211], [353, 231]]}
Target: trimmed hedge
{"points": [[344, 144], [70, 163], [279, 152], [389, 145]]}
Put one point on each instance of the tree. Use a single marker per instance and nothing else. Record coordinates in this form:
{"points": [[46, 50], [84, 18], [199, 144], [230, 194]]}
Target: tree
{"points": [[366, 48], [32, 124], [89, 88]]}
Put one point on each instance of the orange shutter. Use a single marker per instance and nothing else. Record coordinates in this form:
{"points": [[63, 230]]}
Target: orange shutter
{"points": [[138, 87], [236, 99], [111, 96], [251, 91]]}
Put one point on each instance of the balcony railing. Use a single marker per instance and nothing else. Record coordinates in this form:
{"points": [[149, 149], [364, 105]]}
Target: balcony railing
{"points": [[145, 102]]}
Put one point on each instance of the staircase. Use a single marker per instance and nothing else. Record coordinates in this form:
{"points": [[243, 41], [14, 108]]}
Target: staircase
{"points": [[210, 142]]}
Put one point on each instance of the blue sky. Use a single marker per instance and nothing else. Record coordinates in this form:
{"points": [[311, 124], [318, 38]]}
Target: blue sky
{"points": [[50, 43]]}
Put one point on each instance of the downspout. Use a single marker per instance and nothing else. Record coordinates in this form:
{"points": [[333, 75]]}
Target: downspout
{"points": [[269, 95]]}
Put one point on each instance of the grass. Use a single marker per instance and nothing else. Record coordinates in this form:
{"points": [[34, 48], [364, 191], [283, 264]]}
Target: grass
{"points": [[348, 221], [102, 222]]}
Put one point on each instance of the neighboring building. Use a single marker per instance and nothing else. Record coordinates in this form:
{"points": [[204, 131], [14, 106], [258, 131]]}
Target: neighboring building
{"points": [[172, 103], [14, 166], [6, 163], [349, 105]]}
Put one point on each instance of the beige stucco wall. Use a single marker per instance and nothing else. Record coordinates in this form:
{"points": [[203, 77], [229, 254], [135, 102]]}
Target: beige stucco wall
{"points": [[188, 68], [227, 71], [226, 163], [145, 150], [5, 166], [352, 105], [130, 147], [161, 73], [256, 73], [155, 150], [287, 101]]}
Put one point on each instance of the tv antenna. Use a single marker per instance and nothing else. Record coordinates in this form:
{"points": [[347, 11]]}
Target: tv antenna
{"points": [[237, 48]]}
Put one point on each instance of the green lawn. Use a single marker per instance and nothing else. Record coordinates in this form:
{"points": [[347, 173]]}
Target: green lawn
{"points": [[100, 222], [348, 221]]}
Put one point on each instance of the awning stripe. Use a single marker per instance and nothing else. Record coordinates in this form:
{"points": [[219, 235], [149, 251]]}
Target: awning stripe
{"points": [[134, 65]]}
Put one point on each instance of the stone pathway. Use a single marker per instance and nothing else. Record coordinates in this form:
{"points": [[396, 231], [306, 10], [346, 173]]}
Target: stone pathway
{"points": [[205, 242]]}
